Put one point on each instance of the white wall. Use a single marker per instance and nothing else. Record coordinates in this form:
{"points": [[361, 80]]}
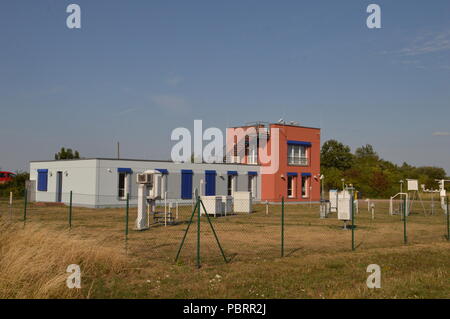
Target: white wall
{"points": [[79, 176], [94, 182], [108, 177]]}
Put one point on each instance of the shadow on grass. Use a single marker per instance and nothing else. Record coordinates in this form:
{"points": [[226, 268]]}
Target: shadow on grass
{"points": [[293, 251]]}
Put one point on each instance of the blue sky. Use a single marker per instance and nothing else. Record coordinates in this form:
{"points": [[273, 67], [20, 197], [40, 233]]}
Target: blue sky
{"points": [[138, 69]]}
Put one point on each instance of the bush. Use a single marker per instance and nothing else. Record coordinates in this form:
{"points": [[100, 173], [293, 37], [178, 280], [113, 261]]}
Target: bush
{"points": [[17, 185]]}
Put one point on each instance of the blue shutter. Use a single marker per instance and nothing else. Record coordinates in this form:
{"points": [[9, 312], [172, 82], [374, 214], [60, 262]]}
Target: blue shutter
{"points": [[306, 174], [163, 171], [210, 186], [252, 173], [42, 180], [124, 170], [292, 174], [186, 184], [232, 173], [307, 144]]}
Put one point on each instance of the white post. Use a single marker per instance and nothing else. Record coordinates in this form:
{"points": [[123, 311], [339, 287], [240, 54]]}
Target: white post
{"points": [[267, 207], [10, 205], [390, 207], [148, 216], [165, 210], [201, 187], [373, 211], [176, 209], [165, 203], [142, 215]]}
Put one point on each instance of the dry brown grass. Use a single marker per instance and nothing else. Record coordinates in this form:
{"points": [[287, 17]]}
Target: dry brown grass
{"points": [[33, 262], [319, 263]]}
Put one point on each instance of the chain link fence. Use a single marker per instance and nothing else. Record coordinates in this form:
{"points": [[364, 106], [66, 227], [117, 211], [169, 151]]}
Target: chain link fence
{"points": [[243, 229]]}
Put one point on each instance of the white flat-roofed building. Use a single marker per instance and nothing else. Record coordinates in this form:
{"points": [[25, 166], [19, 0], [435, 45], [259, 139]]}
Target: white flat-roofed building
{"points": [[104, 182]]}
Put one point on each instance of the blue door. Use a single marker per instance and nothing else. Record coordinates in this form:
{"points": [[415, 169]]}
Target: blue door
{"points": [[186, 184], [210, 183]]}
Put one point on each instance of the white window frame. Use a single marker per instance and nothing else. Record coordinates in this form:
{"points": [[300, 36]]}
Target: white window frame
{"points": [[252, 157], [252, 185], [305, 186], [126, 185], [292, 186], [231, 188], [298, 155]]}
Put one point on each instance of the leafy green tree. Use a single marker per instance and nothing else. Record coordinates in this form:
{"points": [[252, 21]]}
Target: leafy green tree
{"points": [[333, 178], [379, 184], [366, 152], [335, 154], [67, 154], [371, 175], [429, 174]]}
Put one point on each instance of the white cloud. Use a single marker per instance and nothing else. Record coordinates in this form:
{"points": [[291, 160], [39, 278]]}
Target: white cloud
{"points": [[441, 134], [428, 43], [171, 103]]}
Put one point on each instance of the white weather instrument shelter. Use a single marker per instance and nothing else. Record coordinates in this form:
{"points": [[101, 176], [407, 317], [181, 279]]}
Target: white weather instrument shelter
{"points": [[148, 192]]}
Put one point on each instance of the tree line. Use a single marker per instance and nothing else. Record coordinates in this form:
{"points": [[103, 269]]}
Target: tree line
{"points": [[373, 176]]}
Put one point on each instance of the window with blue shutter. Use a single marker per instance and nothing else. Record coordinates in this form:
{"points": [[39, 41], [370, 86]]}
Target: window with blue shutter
{"points": [[186, 184], [210, 185], [124, 185], [42, 180], [297, 153]]}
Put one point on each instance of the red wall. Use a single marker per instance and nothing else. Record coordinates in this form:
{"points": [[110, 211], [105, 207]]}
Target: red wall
{"points": [[274, 186]]}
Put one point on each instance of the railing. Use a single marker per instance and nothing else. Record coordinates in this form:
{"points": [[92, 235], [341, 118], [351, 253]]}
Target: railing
{"points": [[252, 160], [237, 159], [294, 160], [234, 159]]}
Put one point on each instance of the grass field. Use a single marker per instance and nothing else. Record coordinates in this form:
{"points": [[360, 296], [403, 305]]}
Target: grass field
{"points": [[318, 262]]}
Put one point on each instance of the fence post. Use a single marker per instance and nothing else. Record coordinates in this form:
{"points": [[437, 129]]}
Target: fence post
{"points": [[25, 206], [405, 239], [10, 205], [214, 232], [70, 210], [282, 226], [448, 221], [187, 229], [353, 222], [198, 232], [126, 216]]}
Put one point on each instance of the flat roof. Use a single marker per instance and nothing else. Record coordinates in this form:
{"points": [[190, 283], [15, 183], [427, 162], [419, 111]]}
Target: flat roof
{"points": [[280, 124], [301, 126], [136, 160]]}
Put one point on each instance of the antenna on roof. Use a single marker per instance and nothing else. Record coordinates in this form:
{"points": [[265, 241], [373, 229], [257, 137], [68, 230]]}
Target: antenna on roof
{"points": [[118, 150]]}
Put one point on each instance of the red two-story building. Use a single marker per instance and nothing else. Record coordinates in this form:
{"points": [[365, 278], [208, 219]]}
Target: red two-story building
{"points": [[289, 156]]}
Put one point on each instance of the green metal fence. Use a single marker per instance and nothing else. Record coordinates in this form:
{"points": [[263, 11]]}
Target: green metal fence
{"points": [[273, 229]]}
